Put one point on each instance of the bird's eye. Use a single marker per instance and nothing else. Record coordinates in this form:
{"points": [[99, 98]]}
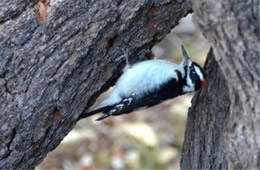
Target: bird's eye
{"points": [[192, 70]]}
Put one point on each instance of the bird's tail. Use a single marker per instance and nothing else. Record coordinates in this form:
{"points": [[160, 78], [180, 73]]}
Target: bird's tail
{"points": [[103, 109]]}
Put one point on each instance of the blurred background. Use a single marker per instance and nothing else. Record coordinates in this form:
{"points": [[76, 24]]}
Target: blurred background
{"points": [[148, 139]]}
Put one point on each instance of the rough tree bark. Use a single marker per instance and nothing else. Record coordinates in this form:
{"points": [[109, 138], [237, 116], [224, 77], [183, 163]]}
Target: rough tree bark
{"points": [[203, 147], [53, 68], [232, 27]]}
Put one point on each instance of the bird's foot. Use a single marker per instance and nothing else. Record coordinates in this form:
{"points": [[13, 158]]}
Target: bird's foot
{"points": [[125, 56]]}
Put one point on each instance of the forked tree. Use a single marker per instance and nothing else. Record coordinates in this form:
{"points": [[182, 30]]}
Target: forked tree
{"points": [[56, 57]]}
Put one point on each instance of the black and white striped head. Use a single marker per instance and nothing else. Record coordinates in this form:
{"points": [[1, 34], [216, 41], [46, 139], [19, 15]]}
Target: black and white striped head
{"points": [[194, 74]]}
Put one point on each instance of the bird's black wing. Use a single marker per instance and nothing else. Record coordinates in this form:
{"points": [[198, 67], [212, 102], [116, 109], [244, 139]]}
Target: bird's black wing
{"points": [[104, 109], [168, 90]]}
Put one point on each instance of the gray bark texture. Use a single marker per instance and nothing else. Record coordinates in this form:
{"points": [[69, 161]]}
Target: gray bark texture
{"points": [[56, 59], [232, 27], [203, 146]]}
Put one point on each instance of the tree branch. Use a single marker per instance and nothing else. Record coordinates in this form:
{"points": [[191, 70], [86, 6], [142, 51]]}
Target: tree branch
{"points": [[51, 71]]}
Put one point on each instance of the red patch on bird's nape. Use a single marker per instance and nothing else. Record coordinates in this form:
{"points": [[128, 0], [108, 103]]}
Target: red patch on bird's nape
{"points": [[203, 82]]}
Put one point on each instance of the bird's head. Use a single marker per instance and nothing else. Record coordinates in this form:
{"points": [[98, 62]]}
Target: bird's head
{"points": [[194, 74]]}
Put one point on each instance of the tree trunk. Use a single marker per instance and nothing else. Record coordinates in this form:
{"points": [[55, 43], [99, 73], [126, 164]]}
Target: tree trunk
{"points": [[203, 147], [232, 27], [54, 63]]}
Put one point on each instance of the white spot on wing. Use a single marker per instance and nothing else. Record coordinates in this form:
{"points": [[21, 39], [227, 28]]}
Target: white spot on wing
{"points": [[112, 111], [120, 106], [129, 100]]}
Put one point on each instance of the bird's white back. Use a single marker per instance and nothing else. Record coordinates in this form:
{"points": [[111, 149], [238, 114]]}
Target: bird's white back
{"points": [[143, 77]]}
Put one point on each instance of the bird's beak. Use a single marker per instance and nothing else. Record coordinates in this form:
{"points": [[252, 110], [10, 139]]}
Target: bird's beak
{"points": [[185, 56]]}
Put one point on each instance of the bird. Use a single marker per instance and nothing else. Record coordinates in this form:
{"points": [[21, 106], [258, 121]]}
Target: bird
{"points": [[148, 83]]}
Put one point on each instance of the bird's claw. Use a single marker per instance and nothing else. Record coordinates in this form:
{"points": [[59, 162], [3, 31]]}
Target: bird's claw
{"points": [[124, 56]]}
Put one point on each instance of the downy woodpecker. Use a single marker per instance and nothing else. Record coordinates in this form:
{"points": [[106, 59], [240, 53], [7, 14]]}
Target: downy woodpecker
{"points": [[148, 83]]}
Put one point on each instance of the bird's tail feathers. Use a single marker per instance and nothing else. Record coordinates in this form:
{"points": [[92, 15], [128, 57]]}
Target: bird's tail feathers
{"points": [[94, 111]]}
